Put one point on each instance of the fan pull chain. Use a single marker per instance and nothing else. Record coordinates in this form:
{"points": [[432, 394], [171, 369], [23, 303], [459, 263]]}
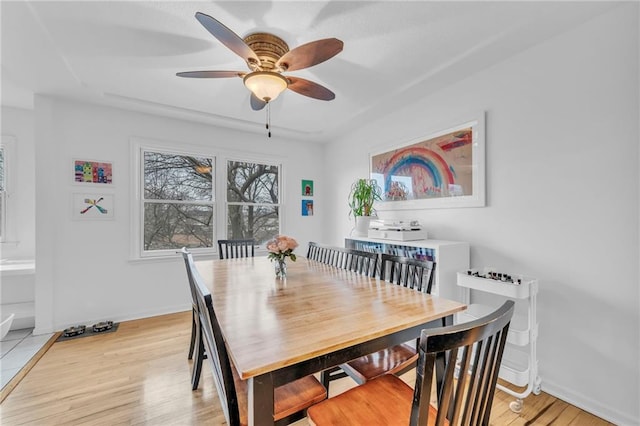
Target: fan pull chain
{"points": [[268, 119]]}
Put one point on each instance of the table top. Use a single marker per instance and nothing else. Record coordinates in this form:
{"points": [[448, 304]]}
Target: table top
{"points": [[270, 323]]}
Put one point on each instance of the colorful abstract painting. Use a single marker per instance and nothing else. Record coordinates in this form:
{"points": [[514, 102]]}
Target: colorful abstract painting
{"points": [[307, 188], [307, 207], [86, 171], [448, 165], [93, 206]]}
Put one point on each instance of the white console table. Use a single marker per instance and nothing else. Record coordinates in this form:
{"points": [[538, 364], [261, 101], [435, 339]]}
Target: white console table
{"points": [[449, 256]]}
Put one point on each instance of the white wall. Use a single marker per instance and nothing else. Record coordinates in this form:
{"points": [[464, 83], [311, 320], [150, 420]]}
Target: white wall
{"points": [[84, 273], [18, 124], [562, 197]]}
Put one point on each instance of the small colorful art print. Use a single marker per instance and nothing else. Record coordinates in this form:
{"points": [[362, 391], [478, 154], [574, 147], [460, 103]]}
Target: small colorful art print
{"points": [[307, 207], [444, 169], [87, 171], [307, 188], [93, 206]]}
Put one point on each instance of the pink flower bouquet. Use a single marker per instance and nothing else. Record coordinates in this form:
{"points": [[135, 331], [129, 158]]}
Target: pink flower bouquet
{"points": [[281, 247]]}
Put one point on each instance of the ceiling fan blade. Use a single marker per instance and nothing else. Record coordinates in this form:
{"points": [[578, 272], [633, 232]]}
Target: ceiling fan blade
{"points": [[228, 38], [211, 74], [310, 89], [256, 103], [310, 54]]}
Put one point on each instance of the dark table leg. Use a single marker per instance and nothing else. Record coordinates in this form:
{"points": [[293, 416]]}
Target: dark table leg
{"points": [[260, 400]]}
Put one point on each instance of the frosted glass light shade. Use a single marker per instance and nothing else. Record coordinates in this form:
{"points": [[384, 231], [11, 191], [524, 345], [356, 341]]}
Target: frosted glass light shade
{"points": [[266, 85]]}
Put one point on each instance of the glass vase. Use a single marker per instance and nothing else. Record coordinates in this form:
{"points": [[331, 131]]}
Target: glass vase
{"points": [[281, 268]]}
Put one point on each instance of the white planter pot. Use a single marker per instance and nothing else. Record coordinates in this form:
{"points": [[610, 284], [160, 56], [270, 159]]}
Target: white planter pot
{"points": [[362, 226]]}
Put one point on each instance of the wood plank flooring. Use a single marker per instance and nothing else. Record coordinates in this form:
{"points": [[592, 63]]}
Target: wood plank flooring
{"points": [[140, 375]]}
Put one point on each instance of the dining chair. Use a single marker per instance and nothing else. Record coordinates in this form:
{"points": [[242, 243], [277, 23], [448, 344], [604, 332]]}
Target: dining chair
{"points": [[407, 272], [473, 349], [314, 251], [290, 400], [362, 262], [197, 364], [342, 258], [329, 255], [230, 249]]}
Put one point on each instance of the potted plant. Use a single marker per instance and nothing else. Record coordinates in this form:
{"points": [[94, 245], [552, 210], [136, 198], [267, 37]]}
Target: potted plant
{"points": [[361, 198]]}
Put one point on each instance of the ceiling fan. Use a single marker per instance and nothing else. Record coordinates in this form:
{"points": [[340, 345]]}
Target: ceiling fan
{"points": [[267, 57]]}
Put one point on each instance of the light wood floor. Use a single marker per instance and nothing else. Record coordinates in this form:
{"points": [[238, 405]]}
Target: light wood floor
{"points": [[140, 375]]}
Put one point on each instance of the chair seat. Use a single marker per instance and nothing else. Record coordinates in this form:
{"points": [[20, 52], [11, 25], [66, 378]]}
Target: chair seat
{"points": [[385, 401], [389, 360], [288, 399]]}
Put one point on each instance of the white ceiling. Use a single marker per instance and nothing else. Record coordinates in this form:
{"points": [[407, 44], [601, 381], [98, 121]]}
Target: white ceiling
{"points": [[127, 53]]}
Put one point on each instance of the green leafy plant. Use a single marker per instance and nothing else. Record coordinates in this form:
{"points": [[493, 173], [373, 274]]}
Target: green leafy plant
{"points": [[363, 193]]}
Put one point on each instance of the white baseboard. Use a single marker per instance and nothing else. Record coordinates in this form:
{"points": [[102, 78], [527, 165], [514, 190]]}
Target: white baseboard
{"points": [[127, 317], [589, 405], [156, 312]]}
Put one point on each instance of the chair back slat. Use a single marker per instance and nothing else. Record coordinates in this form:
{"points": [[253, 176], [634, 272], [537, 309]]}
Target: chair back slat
{"points": [[362, 262], [408, 272], [474, 349], [196, 369], [186, 256], [214, 346], [231, 249]]}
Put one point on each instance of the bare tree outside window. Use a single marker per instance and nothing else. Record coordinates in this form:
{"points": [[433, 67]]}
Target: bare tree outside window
{"points": [[178, 201], [252, 201]]}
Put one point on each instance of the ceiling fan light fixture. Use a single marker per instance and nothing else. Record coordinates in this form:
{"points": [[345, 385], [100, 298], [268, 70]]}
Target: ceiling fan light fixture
{"points": [[266, 85]]}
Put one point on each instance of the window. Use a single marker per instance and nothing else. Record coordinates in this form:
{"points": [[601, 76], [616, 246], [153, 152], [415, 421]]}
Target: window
{"points": [[252, 201], [175, 203], [178, 202]]}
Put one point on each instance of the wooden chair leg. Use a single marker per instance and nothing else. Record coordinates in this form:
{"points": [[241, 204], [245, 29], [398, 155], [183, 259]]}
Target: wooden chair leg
{"points": [[194, 317], [324, 379], [333, 373], [197, 363]]}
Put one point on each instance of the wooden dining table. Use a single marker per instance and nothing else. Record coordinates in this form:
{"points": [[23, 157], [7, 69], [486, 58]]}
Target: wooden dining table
{"points": [[319, 316]]}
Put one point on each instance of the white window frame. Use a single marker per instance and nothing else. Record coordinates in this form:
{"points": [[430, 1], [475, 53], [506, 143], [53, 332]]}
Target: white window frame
{"points": [[8, 147], [256, 160], [139, 147], [220, 158]]}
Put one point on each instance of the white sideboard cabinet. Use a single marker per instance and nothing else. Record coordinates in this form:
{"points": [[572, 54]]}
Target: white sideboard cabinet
{"points": [[449, 256]]}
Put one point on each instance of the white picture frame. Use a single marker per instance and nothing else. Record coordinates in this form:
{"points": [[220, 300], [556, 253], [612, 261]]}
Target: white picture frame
{"points": [[96, 173], [429, 165], [92, 206]]}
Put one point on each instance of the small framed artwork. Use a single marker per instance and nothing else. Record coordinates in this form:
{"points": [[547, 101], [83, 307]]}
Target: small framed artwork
{"points": [[307, 207], [444, 169], [307, 188], [92, 172], [92, 206]]}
